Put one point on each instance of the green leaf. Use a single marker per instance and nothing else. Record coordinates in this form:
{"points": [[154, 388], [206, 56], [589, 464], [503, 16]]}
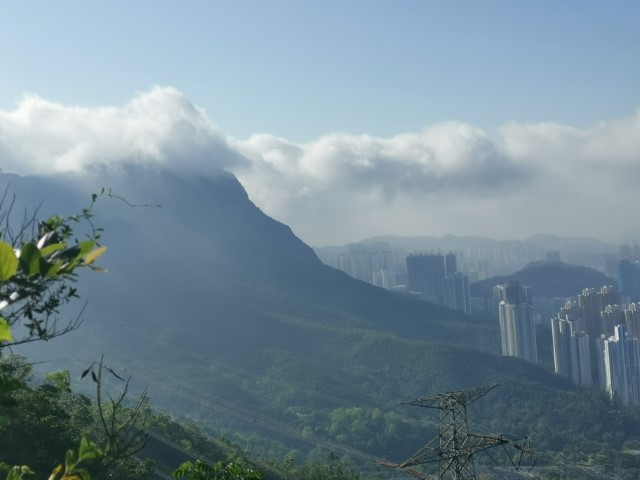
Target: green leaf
{"points": [[53, 270], [30, 259], [88, 450], [19, 473], [5, 331], [86, 247], [69, 460], [8, 262], [49, 249], [84, 447]]}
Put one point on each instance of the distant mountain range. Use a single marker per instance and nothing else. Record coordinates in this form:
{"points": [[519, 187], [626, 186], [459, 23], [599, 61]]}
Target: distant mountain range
{"points": [[232, 321], [504, 256], [425, 242]]}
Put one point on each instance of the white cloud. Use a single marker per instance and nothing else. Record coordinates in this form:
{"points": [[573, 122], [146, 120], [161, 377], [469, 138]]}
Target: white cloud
{"points": [[447, 178], [452, 177], [158, 127]]}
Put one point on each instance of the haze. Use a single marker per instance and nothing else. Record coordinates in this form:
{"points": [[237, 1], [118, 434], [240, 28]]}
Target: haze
{"points": [[345, 120]]}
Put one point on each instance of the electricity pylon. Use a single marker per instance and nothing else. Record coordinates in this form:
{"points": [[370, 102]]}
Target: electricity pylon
{"points": [[454, 446]]}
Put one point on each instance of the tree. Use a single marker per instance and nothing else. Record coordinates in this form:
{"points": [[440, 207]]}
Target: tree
{"points": [[218, 471], [39, 261]]}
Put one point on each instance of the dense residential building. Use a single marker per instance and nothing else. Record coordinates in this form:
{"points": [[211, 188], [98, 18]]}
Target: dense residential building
{"points": [[629, 273], [547, 308], [384, 278], [427, 271], [621, 365], [456, 292], [593, 302], [615, 352], [436, 278], [632, 319], [370, 263], [576, 333], [450, 264], [517, 323], [571, 352], [611, 316]]}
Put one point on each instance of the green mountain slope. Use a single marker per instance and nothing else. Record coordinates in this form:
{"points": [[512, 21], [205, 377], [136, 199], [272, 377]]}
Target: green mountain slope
{"points": [[231, 320]]}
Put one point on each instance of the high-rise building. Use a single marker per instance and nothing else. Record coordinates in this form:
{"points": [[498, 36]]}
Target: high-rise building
{"points": [[580, 359], [426, 272], [632, 319], [592, 303], [571, 354], [621, 365], [456, 292], [450, 264], [384, 278], [517, 323], [369, 263], [547, 308], [629, 273], [612, 315]]}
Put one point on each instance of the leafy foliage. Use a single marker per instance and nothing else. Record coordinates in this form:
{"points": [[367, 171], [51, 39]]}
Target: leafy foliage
{"points": [[38, 266], [218, 471], [36, 277], [47, 417]]}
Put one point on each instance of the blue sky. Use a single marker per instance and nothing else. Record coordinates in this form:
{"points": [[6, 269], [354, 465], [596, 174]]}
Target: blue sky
{"points": [[300, 69], [351, 118]]}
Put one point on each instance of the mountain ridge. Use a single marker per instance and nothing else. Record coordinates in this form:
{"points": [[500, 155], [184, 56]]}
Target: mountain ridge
{"points": [[548, 279]]}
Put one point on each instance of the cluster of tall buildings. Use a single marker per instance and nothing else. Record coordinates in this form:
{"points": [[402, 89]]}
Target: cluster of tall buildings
{"points": [[595, 342], [595, 339], [595, 335], [435, 277], [372, 264]]}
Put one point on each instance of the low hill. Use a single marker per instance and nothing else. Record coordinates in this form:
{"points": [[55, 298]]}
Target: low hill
{"points": [[547, 279]]}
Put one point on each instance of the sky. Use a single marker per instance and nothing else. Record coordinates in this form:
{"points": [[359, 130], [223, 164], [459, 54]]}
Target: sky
{"points": [[345, 119]]}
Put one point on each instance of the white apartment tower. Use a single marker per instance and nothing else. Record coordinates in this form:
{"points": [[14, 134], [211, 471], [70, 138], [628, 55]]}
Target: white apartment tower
{"points": [[456, 292], [621, 365], [571, 353], [517, 323]]}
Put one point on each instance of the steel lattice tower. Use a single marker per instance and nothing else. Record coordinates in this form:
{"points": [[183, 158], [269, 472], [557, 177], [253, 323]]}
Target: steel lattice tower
{"points": [[454, 446]]}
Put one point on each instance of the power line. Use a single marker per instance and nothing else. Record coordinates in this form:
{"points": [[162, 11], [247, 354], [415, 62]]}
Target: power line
{"points": [[454, 447]]}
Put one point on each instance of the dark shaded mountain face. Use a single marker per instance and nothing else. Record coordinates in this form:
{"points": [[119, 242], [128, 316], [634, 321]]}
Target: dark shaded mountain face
{"points": [[228, 318], [208, 237], [547, 279]]}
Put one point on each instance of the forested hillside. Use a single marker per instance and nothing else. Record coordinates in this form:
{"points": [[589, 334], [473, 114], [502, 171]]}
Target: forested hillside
{"points": [[231, 321]]}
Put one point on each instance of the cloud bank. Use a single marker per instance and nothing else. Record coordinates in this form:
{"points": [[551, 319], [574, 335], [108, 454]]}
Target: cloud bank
{"points": [[160, 127], [446, 178]]}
